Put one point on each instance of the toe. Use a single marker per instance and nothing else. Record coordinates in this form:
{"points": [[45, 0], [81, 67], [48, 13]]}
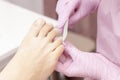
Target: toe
{"points": [[45, 30], [57, 52], [52, 34], [37, 25], [55, 44]]}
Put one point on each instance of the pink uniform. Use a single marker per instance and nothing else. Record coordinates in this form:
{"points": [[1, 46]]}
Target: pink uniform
{"points": [[105, 64], [108, 38]]}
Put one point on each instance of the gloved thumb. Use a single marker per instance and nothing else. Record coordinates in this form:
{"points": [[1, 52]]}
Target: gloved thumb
{"points": [[67, 58]]}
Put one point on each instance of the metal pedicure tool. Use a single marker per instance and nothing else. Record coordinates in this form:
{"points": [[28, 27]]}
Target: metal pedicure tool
{"points": [[65, 31]]}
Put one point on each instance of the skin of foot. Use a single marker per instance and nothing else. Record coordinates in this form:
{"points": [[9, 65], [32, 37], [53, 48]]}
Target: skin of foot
{"points": [[37, 55]]}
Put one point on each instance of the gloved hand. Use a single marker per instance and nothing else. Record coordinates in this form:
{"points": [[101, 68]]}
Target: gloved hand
{"points": [[74, 10], [75, 63]]}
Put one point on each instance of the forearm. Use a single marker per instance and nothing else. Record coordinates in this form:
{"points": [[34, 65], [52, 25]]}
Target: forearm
{"points": [[101, 68], [110, 72]]}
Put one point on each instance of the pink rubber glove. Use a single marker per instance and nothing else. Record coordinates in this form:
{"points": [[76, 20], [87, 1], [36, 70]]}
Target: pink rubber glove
{"points": [[74, 10], [82, 64]]}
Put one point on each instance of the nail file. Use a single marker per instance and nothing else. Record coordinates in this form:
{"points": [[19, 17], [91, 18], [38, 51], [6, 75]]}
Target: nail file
{"points": [[65, 31]]}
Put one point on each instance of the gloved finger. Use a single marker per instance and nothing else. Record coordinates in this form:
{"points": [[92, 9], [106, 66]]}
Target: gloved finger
{"points": [[61, 11], [62, 58], [63, 67], [61, 3], [80, 13], [71, 50], [65, 12], [59, 67], [62, 18]]}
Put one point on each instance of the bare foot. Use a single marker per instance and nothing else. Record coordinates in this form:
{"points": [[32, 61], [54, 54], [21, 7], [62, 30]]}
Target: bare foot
{"points": [[38, 54]]}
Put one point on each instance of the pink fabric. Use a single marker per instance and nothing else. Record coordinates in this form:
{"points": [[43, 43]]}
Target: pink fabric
{"points": [[105, 64], [74, 10]]}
